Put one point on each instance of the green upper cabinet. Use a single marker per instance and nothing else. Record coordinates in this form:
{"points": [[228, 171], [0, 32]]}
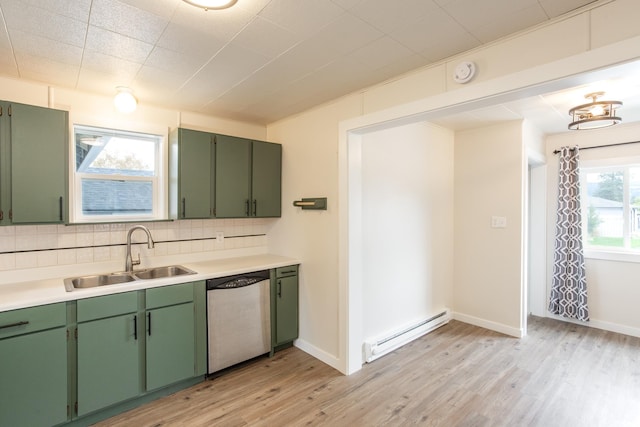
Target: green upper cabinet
{"points": [[248, 178], [233, 173], [34, 164], [266, 179], [191, 174], [223, 176]]}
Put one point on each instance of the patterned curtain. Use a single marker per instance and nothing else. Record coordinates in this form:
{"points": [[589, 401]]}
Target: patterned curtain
{"points": [[569, 285]]}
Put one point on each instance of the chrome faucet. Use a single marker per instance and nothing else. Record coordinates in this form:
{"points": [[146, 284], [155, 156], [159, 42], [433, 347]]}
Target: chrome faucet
{"points": [[129, 261]]}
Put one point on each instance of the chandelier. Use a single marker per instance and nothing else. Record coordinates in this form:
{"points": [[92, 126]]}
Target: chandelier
{"points": [[596, 114]]}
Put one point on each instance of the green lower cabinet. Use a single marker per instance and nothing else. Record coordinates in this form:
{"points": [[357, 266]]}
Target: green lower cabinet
{"points": [[33, 379], [80, 362], [284, 306], [108, 369], [286, 309], [170, 339]]}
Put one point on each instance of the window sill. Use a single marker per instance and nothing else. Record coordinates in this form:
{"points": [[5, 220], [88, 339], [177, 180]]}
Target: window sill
{"points": [[610, 255]]}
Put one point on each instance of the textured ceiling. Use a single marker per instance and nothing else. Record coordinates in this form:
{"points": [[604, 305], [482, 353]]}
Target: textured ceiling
{"points": [[259, 61]]}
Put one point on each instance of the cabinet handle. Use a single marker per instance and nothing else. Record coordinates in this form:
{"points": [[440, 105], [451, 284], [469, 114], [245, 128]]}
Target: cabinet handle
{"points": [[279, 288], [184, 207], [246, 208], [149, 317], [61, 208], [255, 207], [11, 325], [135, 327], [288, 272]]}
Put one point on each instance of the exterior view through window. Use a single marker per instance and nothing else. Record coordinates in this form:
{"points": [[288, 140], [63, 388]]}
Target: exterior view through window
{"points": [[611, 207], [116, 174]]}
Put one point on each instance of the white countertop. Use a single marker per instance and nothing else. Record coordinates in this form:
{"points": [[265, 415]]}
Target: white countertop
{"points": [[47, 291]]}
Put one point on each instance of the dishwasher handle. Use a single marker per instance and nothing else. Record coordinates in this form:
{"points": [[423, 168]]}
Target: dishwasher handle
{"points": [[238, 281]]}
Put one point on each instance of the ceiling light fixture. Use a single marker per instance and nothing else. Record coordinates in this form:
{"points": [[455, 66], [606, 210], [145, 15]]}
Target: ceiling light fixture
{"points": [[124, 100], [596, 114], [211, 4]]}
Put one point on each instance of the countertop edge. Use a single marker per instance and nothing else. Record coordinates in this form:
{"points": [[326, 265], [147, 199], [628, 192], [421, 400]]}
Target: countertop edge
{"points": [[50, 291]]}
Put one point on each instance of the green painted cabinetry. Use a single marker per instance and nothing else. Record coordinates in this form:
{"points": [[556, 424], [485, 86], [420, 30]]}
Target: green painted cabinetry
{"points": [[284, 313], [191, 174], [108, 349], [134, 343], [212, 175], [33, 366], [33, 164], [248, 177], [266, 179], [170, 335]]}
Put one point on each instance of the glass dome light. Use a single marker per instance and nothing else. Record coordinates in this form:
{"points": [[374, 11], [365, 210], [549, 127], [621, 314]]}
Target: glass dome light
{"points": [[211, 4], [124, 100]]}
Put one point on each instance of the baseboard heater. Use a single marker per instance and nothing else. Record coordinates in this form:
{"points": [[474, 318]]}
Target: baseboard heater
{"points": [[379, 346]]}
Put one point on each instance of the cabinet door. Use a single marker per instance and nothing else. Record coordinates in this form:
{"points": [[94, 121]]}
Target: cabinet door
{"points": [[33, 372], [170, 337], [233, 159], [108, 362], [266, 180], [195, 174], [286, 309], [39, 151]]}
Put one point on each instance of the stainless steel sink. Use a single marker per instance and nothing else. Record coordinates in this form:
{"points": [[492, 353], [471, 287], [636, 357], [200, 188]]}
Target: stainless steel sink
{"points": [[92, 281], [161, 272], [97, 280]]}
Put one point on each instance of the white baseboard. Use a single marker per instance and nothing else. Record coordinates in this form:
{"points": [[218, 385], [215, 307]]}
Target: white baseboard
{"points": [[488, 324], [601, 324], [321, 355]]}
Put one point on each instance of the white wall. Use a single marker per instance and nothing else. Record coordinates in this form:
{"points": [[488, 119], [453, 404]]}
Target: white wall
{"points": [[612, 286], [407, 221], [555, 54], [310, 169], [489, 181]]}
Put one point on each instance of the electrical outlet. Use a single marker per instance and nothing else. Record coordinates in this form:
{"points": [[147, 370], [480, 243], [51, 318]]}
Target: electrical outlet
{"points": [[219, 236]]}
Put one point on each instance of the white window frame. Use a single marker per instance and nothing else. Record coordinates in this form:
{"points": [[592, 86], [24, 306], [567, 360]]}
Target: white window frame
{"points": [[159, 189], [625, 254]]}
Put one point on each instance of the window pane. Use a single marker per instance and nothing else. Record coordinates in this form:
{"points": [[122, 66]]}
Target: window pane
{"points": [[634, 211], [605, 209], [115, 153], [110, 197]]}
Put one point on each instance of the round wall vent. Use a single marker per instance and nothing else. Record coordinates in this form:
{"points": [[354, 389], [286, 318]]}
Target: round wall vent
{"points": [[464, 72]]}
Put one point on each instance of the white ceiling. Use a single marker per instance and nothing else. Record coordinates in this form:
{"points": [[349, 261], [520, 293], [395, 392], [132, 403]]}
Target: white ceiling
{"points": [[549, 112], [261, 60]]}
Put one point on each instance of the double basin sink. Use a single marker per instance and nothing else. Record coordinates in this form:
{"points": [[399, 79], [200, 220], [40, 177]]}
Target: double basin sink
{"points": [[93, 281]]}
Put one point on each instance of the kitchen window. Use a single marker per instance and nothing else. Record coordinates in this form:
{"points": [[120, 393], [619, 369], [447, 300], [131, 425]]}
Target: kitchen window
{"points": [[117, 175], [611, 209]]}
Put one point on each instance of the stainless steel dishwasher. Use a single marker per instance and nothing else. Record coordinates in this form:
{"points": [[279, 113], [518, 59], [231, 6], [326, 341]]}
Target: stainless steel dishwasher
{"points": [[239, 318]]}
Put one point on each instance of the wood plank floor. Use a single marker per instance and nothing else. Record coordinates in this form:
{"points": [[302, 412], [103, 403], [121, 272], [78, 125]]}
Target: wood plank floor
{"points": [[459, 375]]}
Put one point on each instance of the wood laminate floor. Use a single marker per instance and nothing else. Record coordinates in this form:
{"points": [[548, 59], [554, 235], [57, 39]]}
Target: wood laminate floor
{"points": [[459, 375]]}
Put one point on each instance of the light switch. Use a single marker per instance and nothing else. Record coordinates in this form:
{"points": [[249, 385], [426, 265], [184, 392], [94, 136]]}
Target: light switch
{"points": [[498, 222]]}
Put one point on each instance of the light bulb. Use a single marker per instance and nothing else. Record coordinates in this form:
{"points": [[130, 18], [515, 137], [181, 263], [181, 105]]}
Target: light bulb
{"points": [[597, 110]]}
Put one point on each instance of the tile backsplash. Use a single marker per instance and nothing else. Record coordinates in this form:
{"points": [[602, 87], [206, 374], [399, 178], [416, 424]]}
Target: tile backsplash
{"points": [[33, 246]]}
